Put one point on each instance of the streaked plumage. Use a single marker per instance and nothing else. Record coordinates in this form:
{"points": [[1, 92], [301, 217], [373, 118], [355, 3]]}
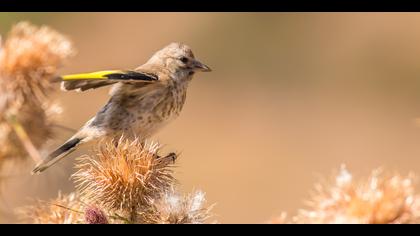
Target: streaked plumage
{"points": [[142, 100]]}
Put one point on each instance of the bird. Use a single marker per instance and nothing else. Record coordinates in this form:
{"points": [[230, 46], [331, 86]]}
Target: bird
{"points": [[141, 101]]}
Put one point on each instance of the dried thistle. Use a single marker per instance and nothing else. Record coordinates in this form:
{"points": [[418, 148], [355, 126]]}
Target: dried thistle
{"points": [[174, 208], [65, 209], [29, 59], [129, 177], [380, 199], [94, 215], [281, 219], [124, 176]]}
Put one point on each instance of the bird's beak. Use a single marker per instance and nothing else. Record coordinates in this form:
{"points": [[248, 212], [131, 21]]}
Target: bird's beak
{"points": [[200, 66]]}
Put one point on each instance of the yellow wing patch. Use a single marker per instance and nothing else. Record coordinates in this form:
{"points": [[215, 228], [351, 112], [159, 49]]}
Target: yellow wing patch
{"points": [[93, 75]]}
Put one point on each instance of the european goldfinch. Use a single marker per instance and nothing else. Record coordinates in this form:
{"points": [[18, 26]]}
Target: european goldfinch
{"points": [[142, 100]]}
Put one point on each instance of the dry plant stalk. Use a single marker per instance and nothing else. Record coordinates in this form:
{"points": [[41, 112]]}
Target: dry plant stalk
{"points": [[29, 59], [379, 199], [124, 176]]}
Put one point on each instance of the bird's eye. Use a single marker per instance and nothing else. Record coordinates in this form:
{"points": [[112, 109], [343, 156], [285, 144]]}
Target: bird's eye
{"points": [[184, 59]]}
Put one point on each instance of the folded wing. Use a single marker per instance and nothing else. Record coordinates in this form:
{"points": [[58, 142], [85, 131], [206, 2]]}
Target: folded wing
{"points": [[85, 81]]}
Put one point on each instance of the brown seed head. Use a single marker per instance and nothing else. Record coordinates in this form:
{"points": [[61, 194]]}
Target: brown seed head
{"points": [[123, 175], [65, 209], [174, 208], [383, 199], [29, 59]]}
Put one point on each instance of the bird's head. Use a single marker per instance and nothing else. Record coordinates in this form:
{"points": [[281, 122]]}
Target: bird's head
{"points": [[178, 58]]}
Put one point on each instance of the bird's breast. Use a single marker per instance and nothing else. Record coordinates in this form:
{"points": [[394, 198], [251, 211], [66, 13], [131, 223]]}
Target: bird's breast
{"points": [[172, 104], [157, 109]]}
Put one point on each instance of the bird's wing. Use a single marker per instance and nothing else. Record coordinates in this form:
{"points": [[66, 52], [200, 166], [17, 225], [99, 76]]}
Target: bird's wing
{"points": [[82, 82]]}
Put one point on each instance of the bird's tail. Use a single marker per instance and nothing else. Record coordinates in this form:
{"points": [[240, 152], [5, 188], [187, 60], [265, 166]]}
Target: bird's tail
{"points": [[64, 150]]}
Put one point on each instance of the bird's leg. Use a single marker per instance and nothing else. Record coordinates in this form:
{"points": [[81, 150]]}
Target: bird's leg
{"points": [[166, 160], [169, 159], [171, 156]]}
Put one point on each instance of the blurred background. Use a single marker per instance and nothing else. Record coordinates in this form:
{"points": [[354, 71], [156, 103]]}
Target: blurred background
{"points": [[292, 96]]}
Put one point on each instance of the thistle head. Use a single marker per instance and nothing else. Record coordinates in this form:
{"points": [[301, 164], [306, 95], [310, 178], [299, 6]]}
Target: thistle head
{"points": [[379, 199], [29, 60], [176, 208], [124, 174], [94, 215], [65, 209]]}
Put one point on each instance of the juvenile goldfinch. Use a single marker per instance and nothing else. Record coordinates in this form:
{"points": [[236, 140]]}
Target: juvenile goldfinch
{"points": [[142, 100]]}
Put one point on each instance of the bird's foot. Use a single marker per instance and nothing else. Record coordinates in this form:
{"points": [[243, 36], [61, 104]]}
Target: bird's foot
{"points": [[168, 159]]}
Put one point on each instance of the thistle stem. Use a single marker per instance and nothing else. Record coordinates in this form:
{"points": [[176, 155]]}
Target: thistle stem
{"points": [[24, 138], [133, 214]]}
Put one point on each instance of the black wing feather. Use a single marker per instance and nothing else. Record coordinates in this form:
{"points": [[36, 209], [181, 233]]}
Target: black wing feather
{"points": [[132, 75], [125, 76]]}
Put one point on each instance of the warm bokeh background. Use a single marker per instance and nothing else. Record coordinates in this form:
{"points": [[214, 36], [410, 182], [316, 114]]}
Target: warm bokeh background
{"points": [[291, 97]]}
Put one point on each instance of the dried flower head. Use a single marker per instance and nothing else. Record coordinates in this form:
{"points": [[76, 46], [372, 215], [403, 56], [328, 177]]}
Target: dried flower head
{"points": [[29, 59], [65, 209], [124, 175], [94, 215], [380, 199], [174, 208], [281, 219]]}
